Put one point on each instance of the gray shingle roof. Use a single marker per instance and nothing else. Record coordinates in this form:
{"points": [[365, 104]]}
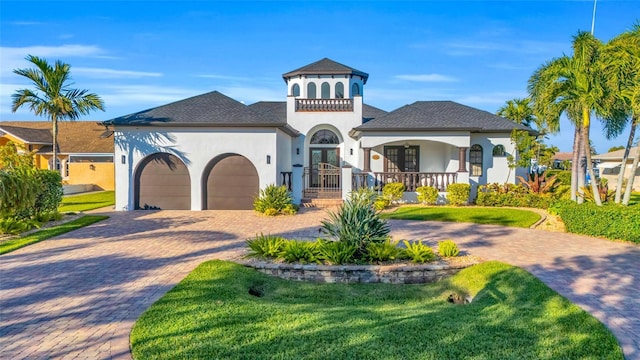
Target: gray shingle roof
{"points": [[213, 108], [326, 66], [371, 112], [440, 115], [29, 135]]}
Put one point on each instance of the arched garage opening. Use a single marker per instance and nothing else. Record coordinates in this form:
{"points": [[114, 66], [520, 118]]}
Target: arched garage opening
{"points": [[162, 182], [230, 182]]}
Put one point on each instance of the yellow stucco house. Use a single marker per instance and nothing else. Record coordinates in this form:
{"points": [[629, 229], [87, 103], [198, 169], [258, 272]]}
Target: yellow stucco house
{"points": [[85, 155]]}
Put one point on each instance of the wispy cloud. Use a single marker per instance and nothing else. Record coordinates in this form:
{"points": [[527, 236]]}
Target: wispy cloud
{"points": [[13, 57], [526, 47], [26, 23], [144, 96], [427, 78], [101, 73], [249, 95], [490, 99]]}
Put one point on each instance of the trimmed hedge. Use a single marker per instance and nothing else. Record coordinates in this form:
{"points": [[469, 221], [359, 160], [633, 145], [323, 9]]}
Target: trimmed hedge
{"points": [[514, 200], [611, 221], [458, 194]]}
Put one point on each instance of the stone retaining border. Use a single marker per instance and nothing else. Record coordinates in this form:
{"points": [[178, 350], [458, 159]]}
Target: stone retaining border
{"points": [[349, 274]]}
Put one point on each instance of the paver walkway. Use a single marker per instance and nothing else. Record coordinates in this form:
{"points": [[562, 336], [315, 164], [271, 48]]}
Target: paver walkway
{"points": [[78, 295]]}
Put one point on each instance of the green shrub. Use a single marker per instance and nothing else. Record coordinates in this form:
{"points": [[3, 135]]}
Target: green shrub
{"points": [[384, 251], [269, 246], [427, 195], [49, 194], [381, 204], [393, 191], [272, 198], [301, 251], [458, 194], [611, 221], [447, 248], [511, 195], [336, 252], [418, 252], [563, 176], [15, 226], [357, 222]]}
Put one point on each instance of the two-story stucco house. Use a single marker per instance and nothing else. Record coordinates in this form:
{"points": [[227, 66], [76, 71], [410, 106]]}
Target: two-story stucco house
{"points": [[213, 152]]}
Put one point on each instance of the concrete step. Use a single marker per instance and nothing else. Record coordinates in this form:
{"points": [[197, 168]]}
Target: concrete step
{"points": [[321, 203]]}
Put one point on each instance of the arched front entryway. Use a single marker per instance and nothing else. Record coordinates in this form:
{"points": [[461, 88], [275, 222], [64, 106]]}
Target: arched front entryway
{"points": [[162, 182], [230, 182]]}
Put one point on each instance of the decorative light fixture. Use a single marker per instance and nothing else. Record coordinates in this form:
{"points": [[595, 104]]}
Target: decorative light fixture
{"points": [[297, 151], [92, 167], [406, 145], [123, 159], [268, 159], [351, 151]]}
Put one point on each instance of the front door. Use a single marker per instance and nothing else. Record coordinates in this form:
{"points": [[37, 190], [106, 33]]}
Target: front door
{"points": [[322, 155]]}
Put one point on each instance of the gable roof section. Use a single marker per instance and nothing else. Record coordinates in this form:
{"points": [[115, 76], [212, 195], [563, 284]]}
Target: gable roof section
{"points": [[326, 66], [28, 135], [440, 115], [371, 112], [74, 137], [616, 155], [213, 108]]}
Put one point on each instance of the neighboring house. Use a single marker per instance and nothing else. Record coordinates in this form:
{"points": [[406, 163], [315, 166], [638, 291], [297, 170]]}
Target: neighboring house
{"points": [[562, 160], [213, 152], [611, 163], [84, 156]]}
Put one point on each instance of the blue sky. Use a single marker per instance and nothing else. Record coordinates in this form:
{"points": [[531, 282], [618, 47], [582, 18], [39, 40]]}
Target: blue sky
{"points": [[139, 55]]}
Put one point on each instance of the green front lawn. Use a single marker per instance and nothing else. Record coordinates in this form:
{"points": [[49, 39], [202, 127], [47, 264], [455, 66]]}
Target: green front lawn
{"points": [[470, 214], [17, 243], [635, 198], [211, 315], [84, 202]]}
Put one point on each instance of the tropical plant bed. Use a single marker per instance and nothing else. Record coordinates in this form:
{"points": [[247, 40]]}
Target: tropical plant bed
{"points": [[390, 273], [224, 310]]}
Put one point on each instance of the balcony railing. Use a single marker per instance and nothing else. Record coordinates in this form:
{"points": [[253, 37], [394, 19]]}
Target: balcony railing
{"points": [[411, 180], [324, 104]]}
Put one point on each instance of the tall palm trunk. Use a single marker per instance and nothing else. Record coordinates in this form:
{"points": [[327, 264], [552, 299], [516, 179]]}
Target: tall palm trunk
{"points": [[575, 164], [632, 176], [585, 144], [54, 121], [625, 158]]}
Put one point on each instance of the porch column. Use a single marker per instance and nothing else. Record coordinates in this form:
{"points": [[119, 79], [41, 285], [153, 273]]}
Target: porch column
{"points": [[297, 183], [462, 159], [367, 159], [347, 175]]}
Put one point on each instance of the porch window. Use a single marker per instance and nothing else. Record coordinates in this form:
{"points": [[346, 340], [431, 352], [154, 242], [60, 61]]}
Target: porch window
{"points": [[402, 159], [324, 137], [498, 151], [311, 90], [325, 90], [295, 90], [339, 90], [475, 160]]}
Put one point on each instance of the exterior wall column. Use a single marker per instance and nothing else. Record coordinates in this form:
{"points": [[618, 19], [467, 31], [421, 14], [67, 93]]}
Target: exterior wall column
{"points": [[297, 182], [367, 159], [462, 159], [347, 174]]}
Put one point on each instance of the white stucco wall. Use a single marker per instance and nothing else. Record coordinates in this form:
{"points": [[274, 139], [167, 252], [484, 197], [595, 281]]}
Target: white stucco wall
{"points": [[332, 80], [196, 147], [495, 168]]}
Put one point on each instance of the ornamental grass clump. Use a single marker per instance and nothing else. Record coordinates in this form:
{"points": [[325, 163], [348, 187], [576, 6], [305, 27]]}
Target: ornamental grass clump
{"points": [[303, 252], [274, 200], [418, 252], [447, 248], [385, 251], [357, 222], [269, 246]]}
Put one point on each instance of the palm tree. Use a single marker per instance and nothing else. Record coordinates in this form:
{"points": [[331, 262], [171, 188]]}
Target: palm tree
{"points": [[575, 85], [52, 96], [622, 57], [518, 110]]}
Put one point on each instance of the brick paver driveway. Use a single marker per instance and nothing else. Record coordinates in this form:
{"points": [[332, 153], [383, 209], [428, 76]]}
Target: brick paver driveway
{"points": [[78, 295]]}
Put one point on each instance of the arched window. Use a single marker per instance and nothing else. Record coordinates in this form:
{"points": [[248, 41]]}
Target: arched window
{"points": [[475, 160], [295, 90], [355, 90], [311, 91], [498, 151], [324, 137], [339, 90], [325, 90]]}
